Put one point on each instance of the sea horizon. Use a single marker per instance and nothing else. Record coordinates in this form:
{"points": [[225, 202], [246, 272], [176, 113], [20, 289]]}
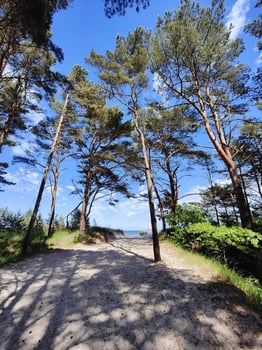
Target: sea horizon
{"points": [[134, 233]]}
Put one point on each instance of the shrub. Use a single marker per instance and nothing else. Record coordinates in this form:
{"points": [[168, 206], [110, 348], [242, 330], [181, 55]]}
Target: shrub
{"points": [[11, 222], [187, 214], [257, 225], [216, 240]]}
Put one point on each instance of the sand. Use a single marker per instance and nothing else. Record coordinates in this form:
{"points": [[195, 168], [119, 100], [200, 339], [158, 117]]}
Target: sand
{"points": [[113, 296]]}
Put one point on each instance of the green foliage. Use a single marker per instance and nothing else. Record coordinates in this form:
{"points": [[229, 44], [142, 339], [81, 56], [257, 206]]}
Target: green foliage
{"points": [[31, 19], [75, 220], [79, 238], [186, 214], [10, 244], [38, 231], [12, 222], [257, 225], [217, 241], [249, 285], [234, 246], [107, 233], [12, 231], [113, 7]]}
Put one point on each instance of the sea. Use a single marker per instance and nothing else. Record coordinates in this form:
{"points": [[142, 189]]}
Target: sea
{"points": [[133, 233]]}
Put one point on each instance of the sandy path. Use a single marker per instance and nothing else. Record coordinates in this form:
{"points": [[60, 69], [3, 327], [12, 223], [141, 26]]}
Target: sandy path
{"points": [[112, 296]]}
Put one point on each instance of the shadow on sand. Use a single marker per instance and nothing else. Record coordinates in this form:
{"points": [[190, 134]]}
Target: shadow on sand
{"points": [[114, 298]]}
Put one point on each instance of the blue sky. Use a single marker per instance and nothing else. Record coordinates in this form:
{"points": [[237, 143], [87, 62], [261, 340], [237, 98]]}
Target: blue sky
{"points": [[82, 27]]}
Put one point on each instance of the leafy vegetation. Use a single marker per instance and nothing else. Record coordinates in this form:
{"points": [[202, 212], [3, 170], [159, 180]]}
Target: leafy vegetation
{"points": [[13, 230], [233, 246]]}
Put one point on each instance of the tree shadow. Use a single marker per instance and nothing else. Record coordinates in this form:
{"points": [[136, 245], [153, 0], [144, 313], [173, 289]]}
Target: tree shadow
{"points": [[117, 299]]}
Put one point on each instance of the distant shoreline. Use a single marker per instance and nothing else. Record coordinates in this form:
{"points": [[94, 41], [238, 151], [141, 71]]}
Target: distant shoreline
{"points": [[135, 233]]}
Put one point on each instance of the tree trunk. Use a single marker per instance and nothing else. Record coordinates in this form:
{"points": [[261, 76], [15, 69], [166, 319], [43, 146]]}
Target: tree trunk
{"points": [[29, 232], [82, 224], [161, 208], [54, 193], [214, 202], [149, 182], [244, 211], [67, 216], [86, 197], [224, 152], [257, 175]]}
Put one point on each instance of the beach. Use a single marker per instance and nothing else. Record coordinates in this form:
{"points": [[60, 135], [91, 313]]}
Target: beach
{"points": [[113, 296]]}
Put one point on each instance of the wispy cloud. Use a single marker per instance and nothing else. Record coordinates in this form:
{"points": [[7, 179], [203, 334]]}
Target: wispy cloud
{"points": [[26, 180], [237, 17], [193, 194], [131, 213], [22, 149]]}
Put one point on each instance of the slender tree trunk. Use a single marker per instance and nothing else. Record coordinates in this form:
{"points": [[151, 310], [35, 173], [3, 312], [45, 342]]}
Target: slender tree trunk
{"points": [[67, 216], [160, 202], [54, 193], [29, 232], [82, 224], [209, 172], [172, 182], [149, 182], [257, 174], [217, 216], [86, 197], [174, 193], [161, 208]]}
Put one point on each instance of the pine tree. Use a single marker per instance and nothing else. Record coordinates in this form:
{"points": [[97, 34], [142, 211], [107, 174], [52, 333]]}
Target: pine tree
{"points": [[195, 59], [123, 74], [99, 144]]}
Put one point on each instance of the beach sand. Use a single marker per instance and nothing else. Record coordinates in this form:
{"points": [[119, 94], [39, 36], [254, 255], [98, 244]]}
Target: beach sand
{"points": [[113, 296]]}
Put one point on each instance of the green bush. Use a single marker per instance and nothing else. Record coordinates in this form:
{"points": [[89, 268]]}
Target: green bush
{"points": [[257, 225], [11, 222], [186, 214], [213, 240], [228, 244]]}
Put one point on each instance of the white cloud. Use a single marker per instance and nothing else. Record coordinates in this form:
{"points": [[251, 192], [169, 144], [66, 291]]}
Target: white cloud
{"points": [[237, 17], [222, 182], [193, 194], [26, 180], [22, 148], [31, 177], [159, 87], [35, 117]]}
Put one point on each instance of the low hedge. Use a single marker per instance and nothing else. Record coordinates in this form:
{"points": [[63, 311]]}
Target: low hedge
{"points": [[223, 243]]}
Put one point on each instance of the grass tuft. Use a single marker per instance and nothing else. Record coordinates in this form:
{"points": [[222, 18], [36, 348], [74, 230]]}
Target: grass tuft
{"points": [[250, 286]]}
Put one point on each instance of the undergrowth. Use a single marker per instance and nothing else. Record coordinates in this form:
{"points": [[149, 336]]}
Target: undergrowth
{"points": [[250, 286]]}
